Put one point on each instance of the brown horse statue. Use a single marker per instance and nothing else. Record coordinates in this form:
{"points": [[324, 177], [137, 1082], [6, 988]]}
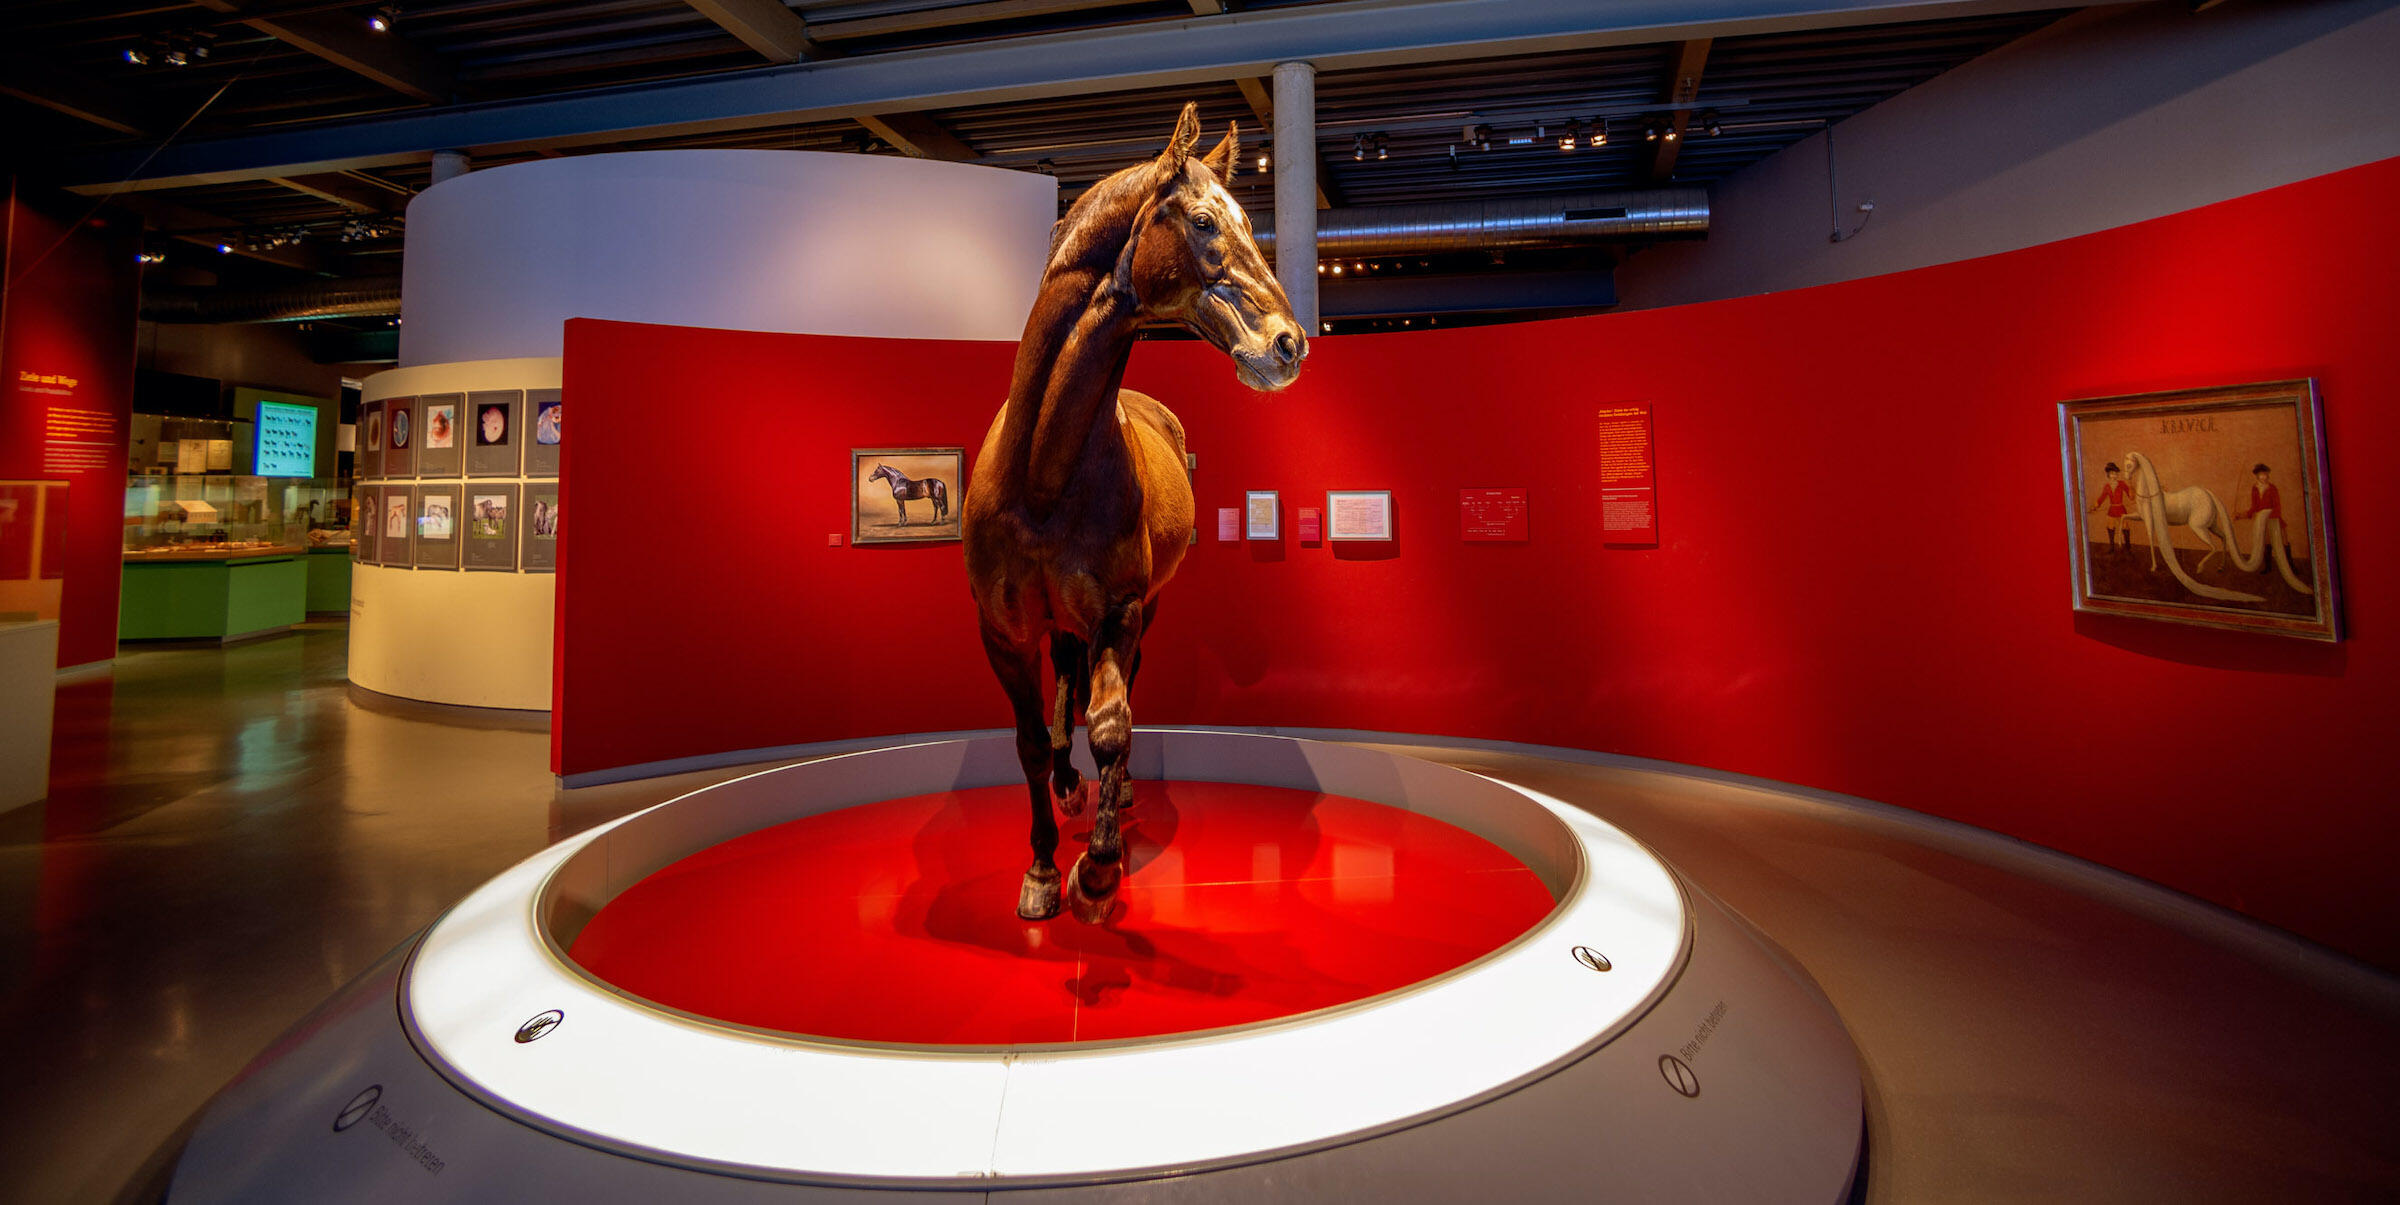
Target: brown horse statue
{"points": [[1079, 508]]}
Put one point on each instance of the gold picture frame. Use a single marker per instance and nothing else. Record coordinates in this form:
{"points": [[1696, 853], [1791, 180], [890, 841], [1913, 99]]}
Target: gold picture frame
{"points": [[906, 495], [2203, 506]]}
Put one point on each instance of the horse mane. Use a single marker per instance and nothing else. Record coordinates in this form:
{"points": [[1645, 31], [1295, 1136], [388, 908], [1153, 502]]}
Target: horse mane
{"points": [[1104, 210]]}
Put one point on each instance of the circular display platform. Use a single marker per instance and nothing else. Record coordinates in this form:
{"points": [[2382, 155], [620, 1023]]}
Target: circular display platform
{"points": [[620, 1071], [895, 922], [1338, 973]]}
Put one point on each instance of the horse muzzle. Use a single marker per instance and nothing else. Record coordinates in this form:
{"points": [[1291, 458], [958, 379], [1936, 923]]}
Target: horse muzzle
{"points": [[1272, 362]]}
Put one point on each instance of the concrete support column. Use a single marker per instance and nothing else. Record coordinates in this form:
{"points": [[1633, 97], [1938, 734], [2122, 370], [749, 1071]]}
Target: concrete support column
{"points": [[449, 163], [1295, 165]]}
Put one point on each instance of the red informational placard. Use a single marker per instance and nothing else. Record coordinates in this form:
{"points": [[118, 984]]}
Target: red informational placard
{"points": [[1493, 516], [1229, 522], [1312, 525], [1628, 481]]}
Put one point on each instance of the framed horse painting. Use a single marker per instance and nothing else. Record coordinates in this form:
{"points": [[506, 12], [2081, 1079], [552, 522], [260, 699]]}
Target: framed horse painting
{"points": [[905, 495], [2204, 506]]}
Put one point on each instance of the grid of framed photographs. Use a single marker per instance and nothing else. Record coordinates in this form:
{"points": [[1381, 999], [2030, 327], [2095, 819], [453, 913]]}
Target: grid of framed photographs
{"points": [[427, 494]]}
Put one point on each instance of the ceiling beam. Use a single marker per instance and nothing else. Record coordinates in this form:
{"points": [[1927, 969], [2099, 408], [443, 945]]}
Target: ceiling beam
{"points": [[920, 137], [776, 32], [342, 39], [951, 16], [204, 229], [1691, 58], [781, 35], [75, 96], [1337, 35], [347, 190]]}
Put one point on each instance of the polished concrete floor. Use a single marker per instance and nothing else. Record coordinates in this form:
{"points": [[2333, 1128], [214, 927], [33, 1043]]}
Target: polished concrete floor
{"points": [[231, 836]]}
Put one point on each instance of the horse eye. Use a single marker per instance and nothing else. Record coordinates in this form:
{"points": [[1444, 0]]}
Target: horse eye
{"points": [[1203, 221]]}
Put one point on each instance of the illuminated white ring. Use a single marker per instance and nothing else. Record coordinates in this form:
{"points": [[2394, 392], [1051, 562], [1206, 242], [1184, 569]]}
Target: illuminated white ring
{"points": [[632, 1077]]}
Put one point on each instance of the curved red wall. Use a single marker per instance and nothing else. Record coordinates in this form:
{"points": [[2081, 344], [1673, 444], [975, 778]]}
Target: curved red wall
{"points": [[1860, 585]]}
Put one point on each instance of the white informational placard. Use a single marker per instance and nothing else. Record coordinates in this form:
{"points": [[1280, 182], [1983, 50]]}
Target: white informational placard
{"points": [[1263, 511], [1358, 514]]}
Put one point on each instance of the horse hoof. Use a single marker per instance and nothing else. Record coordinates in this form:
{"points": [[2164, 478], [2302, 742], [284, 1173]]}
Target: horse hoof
{"points": [[1038, 898], [1089, 908], [1071, 803]]}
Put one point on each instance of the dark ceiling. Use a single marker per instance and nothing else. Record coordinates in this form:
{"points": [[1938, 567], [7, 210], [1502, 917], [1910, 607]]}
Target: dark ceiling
{"points": [[69, 92]]}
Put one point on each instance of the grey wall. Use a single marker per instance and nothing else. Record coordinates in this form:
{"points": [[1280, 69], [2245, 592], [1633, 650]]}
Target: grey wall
{"points": [[268, 355], [2112, 116]]}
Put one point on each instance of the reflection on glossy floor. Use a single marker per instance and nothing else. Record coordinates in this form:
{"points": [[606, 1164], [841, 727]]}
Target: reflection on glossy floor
{"points": [[897, 921], [230, 837]]}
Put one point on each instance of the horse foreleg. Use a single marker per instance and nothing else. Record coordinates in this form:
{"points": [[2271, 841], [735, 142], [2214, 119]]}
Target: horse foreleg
{"points": [[1020, 674], [1092, 887], [1067, 666]]}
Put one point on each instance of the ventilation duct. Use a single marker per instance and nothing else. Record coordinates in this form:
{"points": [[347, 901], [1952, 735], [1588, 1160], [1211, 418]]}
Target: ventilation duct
{"points": [[367, 298], [1498, 225]]}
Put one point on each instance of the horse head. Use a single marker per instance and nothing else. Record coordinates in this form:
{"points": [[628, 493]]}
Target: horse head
{"points": [[1189, 257]]}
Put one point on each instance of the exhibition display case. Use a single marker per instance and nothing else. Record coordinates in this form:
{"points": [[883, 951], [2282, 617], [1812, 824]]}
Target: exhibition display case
{"points": [[223, 557]]}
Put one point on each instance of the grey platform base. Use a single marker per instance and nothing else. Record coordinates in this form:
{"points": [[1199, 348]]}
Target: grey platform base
{"points": [[1709, 1068]]}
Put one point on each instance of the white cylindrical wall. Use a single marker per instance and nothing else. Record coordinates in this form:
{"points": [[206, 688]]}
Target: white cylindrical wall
{"points": [[808, 242], [447, 635]]}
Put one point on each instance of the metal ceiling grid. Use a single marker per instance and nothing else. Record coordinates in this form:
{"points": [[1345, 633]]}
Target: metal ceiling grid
{"points": [[1768, 91]]}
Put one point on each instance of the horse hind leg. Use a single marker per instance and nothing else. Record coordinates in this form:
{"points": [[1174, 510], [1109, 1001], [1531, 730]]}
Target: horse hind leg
{"points": [[1019, 671], [1068, 665]]}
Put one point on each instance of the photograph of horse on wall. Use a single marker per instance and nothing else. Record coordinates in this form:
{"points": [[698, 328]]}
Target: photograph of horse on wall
{"points": [[905, 495], [2203, 506]]}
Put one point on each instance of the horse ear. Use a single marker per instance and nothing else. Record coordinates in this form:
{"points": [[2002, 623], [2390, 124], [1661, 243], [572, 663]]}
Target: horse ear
{"points": [[1228, 153], [1186, 136]]}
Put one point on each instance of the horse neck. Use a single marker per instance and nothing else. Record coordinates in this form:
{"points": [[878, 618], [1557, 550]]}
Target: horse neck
{"points": [[1062, 400], [2145, 479]]}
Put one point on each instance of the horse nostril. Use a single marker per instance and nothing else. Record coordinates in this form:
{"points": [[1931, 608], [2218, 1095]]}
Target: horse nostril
{"points": [[1286, 350]]}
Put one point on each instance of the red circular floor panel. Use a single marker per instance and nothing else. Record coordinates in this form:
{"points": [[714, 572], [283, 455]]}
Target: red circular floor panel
{"points": [[896, 921]]}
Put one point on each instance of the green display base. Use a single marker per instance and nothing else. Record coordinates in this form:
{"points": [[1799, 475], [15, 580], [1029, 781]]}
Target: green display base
{"points": [[219, 600], [328, 580]]}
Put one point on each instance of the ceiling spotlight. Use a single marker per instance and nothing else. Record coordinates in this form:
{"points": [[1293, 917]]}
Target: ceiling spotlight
{"points": [[1671, 134], [1358, 148], [1566, 139], [151, 257], [175, 57], [137, 56], [1383, 147], [1337, 269], [1651, 130], [1483, 138], [224, 248], [1709, 124], [1599, 131], [1265, 164], [382, 19]]}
